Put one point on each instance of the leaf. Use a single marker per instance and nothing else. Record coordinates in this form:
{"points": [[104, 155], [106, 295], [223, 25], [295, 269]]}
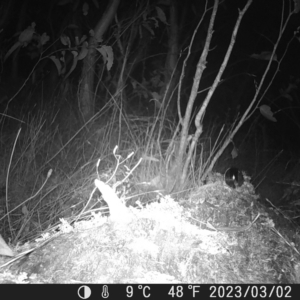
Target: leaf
{"points": [[288, 91], [285, 95], [161, 15], [92, 33], [26, 35], [83, 38], [234, 153], [79, 42], [12, 49], [74, 64], [65, 40], [265, 110], [57, 64], [4, 249], [25, 210], [265, 55], [83, 52], [107, 55], [155, 22], [44, 38], [146, 25]]}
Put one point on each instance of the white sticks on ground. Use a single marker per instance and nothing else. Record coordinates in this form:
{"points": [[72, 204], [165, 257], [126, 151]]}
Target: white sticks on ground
{"points": [[119, 213]]}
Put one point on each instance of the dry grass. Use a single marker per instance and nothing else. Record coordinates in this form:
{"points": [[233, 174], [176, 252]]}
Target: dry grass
{"points": [[193, 239]]}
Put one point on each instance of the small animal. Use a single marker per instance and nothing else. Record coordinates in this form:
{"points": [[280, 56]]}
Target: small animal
{"points": [[233, 177]]}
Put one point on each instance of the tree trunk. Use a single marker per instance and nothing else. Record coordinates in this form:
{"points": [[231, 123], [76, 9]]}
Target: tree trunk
{"points": [[171, 60], [86, 95], [19, 28]]}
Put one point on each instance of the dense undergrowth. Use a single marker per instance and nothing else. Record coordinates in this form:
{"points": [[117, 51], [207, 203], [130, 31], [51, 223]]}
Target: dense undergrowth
{"points": [[49, 165]]}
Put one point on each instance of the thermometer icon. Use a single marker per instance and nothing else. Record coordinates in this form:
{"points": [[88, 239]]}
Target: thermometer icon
{"points": [[105, 293]]}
